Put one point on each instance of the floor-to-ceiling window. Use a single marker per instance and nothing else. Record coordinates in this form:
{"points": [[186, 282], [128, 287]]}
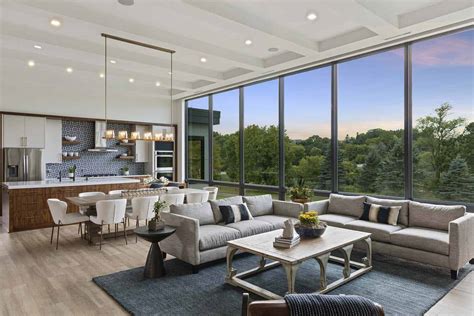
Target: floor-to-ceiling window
{"points": [[443, 117], [261, 145], [307, 142], [370, 124], [198, 138]]}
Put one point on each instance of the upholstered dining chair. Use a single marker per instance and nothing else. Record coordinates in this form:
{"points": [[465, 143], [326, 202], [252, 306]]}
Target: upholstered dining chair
{"points": [[142, 209], [212, 192], [83, 210], [172, 199], [110, 212], [197, 197], [58, 210]]}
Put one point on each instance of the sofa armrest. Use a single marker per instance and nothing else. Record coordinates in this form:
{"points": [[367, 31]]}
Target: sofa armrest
{"points": [[184, 243], [461, 241], [320, 206], [287, 208]]}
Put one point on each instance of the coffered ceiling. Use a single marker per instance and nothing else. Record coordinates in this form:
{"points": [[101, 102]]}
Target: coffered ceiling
{"points": [[281, 38]]}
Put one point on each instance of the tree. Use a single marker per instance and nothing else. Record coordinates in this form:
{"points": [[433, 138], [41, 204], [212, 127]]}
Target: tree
{"points": [[391, 177], [367, 180], [457, 183], [438, 135]]}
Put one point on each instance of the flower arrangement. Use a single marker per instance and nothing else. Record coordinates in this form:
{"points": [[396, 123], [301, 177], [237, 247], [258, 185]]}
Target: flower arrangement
{"points": [[309, 219], [309, 225], [164, 180], [299, 192]]}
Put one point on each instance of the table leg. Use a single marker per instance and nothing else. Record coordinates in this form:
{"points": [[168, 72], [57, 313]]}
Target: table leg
{"points": [[323, 262], [346, 252], [154, 267], [368, 260], [231, 272], [291, 270], [262, 262]]}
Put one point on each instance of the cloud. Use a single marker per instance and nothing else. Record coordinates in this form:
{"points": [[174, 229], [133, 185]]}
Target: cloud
{"points": [[447, 51]]}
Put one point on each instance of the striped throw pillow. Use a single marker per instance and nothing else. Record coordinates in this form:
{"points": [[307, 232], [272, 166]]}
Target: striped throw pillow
{"points": [[235, 213], [380, 214]]}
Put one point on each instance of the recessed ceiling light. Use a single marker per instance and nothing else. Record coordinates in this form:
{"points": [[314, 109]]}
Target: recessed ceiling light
{"points": [[273, 49], [69, 69], [248, 42], [126, 2], [203, 59], [112, 61], [311, 16], [31, 63], [101, 75], [38, 46], [55, 22], [131, 80], [157, 84]]}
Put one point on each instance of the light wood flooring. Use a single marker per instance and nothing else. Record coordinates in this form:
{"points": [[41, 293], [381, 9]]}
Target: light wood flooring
{"points": [[35, 279]]}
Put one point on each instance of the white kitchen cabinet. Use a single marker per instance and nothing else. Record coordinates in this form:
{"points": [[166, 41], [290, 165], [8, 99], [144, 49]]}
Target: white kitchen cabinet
{"points": [[141, 151], [53, 142], [23, 131]]}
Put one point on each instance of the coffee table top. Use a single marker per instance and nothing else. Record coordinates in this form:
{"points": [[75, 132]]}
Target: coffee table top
{"points": [[333, 238]]}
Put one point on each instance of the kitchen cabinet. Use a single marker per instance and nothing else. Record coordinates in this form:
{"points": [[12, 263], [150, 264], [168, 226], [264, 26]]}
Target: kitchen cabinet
{"points": [[53, 142], [23, 131], [142, 148]]}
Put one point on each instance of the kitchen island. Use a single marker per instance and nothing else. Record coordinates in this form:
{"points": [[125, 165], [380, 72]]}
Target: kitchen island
{"points": [[25, 206]]}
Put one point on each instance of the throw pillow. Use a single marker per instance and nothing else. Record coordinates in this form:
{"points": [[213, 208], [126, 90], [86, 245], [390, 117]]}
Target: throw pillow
{"points": [[235, 213], [380, 214]]}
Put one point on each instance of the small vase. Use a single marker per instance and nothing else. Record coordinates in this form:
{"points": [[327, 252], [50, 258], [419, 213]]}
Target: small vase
{"points": [[71, 175], [154, 225], [126, 173]]}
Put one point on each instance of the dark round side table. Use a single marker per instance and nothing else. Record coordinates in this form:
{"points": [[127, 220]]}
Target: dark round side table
{"points": [[154, 267]]}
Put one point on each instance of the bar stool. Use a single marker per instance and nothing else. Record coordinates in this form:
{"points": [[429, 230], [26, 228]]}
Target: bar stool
{"points": [[142, 209], [212, 192], [58, 210], [197, 197], [110, 212]]}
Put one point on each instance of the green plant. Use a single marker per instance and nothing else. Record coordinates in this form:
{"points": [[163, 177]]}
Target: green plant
{"points": [[72, 169], [299, 190], [125, 169], [158, 208], [309, 219]]}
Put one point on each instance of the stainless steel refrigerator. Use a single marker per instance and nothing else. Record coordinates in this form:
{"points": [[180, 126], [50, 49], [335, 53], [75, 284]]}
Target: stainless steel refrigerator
{"points": [[22, 164]]}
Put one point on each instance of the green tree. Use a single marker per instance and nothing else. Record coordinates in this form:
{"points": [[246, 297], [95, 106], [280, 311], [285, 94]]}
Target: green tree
{"points": [[367, 181], [391, 177], [457, 183]]}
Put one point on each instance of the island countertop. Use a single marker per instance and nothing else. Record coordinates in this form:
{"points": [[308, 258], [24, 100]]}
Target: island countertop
{"points": [[51, 183]]}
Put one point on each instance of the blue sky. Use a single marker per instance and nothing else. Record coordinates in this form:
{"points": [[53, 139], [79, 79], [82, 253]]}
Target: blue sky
{"points": [[370, 91]]}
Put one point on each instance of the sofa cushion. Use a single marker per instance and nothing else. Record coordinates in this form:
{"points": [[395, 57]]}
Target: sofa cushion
{"points": [[434, 216], [227, 201], [337, 220], [276, 221], [252, 227], [427, 239], [403, 216], [260, 204], [346, 205], [380, 232], [199, 211], [380, 214], [215, 236], [235, 213]]}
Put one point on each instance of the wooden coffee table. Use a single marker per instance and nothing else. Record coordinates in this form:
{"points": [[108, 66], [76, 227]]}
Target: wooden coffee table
{"points": [[318, 249]]}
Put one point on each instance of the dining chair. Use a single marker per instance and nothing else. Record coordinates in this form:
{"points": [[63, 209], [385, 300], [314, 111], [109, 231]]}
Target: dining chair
{"points": [[212, 192], [83, 210], [142, 209], [172, 199], [110, 212], [58, 210], [172, 189], [197, 197]]}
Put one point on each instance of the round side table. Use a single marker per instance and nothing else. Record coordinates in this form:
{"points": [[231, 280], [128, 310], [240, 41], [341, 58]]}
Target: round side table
{"points": [[154, 267]]}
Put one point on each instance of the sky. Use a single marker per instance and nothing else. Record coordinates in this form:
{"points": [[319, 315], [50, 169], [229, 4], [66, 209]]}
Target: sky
{"points": [[370, 91]]}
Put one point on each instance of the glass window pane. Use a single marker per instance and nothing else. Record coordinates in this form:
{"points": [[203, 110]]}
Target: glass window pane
{"points": [[198, 138], [250, 192], [308, 128], [225, 191], [370, 127], [226, 136], [443, 118], [261, 133]]}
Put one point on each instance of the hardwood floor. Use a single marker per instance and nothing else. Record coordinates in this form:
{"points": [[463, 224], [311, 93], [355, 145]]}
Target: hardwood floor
{"points": [[36, 279]]}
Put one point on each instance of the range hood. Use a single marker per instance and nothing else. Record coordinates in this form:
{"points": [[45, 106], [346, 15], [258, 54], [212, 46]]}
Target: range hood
{"points": [[100, 141]]}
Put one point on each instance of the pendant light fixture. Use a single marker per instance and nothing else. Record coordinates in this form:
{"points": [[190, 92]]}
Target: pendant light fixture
{"points": [[134, 136]]}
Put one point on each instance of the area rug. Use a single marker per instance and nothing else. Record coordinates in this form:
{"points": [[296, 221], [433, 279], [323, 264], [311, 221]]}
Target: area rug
{"points": [[401, 287]]}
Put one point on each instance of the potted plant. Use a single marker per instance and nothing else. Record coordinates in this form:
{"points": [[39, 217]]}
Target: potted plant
{"points": [[125, 171], [309, 225], [299, 192], [156, 223], [71, 171]]}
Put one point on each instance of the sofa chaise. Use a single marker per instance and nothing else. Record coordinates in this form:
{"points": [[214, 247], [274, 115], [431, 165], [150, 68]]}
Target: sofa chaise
{"points": [[201, 235], [439, 235]]}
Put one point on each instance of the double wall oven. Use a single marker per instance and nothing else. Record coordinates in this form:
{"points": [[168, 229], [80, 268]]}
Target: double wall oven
{"points": [[164, 160]]}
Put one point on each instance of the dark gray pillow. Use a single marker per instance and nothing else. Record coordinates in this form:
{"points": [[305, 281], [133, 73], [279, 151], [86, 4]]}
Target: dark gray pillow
{"points": [[227, 201]]}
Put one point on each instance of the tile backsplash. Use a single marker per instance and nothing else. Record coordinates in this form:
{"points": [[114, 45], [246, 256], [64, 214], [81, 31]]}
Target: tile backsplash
{"points": [[92, 162]]}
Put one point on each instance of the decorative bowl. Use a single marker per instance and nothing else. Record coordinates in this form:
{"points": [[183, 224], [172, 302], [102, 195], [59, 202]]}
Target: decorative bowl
{"points": [[70, 138], [311, 232]]}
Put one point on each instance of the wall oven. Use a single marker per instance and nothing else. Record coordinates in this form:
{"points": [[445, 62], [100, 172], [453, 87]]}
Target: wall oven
{"points": [[164, 160]]}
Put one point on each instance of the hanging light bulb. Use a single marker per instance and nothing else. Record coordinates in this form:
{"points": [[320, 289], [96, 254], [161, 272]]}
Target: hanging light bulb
{"points": [[148, 136], [135, 136], [109, 134], [123, 135]]}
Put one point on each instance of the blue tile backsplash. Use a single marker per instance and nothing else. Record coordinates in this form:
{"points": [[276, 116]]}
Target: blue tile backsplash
{"points": [[93, 162]]}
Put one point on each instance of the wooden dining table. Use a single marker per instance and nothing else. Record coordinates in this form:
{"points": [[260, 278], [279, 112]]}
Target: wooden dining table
{"points": [[88, 201]]}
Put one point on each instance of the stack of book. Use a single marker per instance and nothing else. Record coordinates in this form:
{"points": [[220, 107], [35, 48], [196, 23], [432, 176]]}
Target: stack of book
{"points": [[282, 242]]}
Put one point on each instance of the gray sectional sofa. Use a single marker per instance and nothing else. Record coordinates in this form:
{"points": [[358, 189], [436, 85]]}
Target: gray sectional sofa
{"points": [[439, 235], [201, 235]]}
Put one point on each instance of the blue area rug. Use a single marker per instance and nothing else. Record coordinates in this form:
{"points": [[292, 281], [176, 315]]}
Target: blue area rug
{"points": [[401, 287]]}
